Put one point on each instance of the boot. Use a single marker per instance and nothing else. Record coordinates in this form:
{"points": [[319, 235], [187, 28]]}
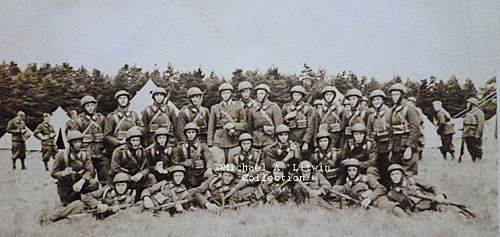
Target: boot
{"points": [[13, 164], [23, 166], [46, 163]]}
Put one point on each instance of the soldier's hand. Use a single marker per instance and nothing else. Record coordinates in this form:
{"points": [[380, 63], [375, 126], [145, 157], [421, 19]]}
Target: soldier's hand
{"points": [[68, 171], [168, 150], [211, 206], [77, 187], [366, 202], [407, 154], [305, 146], [148, 203], [101, 208], [228, 126]]}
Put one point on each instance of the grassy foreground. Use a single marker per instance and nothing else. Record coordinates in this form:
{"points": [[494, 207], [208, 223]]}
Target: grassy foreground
{"points": [[26, 194]]}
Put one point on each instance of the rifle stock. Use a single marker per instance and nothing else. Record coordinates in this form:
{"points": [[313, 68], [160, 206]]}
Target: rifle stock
{"points": [[464, 210]]}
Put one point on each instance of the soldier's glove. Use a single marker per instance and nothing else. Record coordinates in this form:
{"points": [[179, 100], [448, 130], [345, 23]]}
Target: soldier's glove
{"points": [[407, 154], [211, 206], [208, 173], [366, 202], [148, 203], [101, 208], [77, 187]]}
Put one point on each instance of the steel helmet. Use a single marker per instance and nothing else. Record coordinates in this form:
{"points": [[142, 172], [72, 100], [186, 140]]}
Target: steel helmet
{"points": [[354, 92], [244, 85], [376, 93], [20, 114], [158, 90], [263, 87], [358, 127], [87, 99], [318, 102], [282, 129], [279, 165], [162, 131], [194, 91], [177, 168], [305, 165], [230, 168], [473, 100], [134, 132], [352, 162], [394, 167], [74, 135], [121, 178], [322, 134], [191, 126], [398, 87], [245, 137], [364, 99], [298, 89], [328, 89], [122, 92], [225, 87]]}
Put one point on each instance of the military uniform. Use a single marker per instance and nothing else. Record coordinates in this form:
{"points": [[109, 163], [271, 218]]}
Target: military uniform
{"points": [[445, 131], [167, 192], [281, 151], [71, 124], [262, 121], [163, 154], [92, 127], [197, 159], [329, 118], [249, 162], [328, 161], [18, 129], [357, 115], [365, 153], [473, 132], [316, 181], [157, 116], [361, 187], [81, 165], [45, 132], [116, 126], [198, 115], [213, 190], [275, 190], [248, 105], [378, 130], [300, 121]]}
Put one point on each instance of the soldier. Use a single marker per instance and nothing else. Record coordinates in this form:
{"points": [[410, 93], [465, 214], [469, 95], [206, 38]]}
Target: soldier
{"points": [[19, 131], [413, 101], [227, 121], [326, 157], [357, 114], [404, 191], [445, 129], [249, 160], [130, 158], [166, 192], [245, 89], [361, 149], [195, 157], [315, 181], [298, 116], [378, 131], [160, 154], [74, 171], [405, 125], [71, 124], [264, 118], [473, 129], [45, 133], [91, 124], [282, 150], [107, 200], [194, 113], [328, 118], [364, 103], [119, 121], [277, 189], [364, 188], [158, 115]]}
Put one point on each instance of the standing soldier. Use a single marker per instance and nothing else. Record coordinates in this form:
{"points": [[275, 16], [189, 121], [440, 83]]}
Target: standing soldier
{"points": [[91, 124], [328, 117], [227, 121], [195, 157], [45, 133], [413, 101], [473, 130], [404, 123], [264, 118], [357, 114], [249, 159], [74, 171], [282, 150], [130, 158], [158, 115], [194, 113], [298, 116], [445, 129], [160, 154], [19, 132], [245, 89], [378, 131], [119, 121], [71, 124], [326, 157]]}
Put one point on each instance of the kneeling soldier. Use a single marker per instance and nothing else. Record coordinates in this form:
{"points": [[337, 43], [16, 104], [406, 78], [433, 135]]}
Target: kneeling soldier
{"points": [[74, 171], [315, 183], [161, 155], [249, 160], [326, 157], [164, 192], [283, 149]]}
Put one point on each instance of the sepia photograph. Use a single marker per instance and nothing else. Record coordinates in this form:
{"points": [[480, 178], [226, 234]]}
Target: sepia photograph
{"points": [[249, 118]]}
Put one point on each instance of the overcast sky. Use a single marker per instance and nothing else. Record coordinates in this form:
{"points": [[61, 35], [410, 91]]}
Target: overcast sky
{"points": [[375, 38]]}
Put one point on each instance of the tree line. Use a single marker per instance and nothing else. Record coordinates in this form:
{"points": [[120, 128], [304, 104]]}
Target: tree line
{"points": [[42, 88]]}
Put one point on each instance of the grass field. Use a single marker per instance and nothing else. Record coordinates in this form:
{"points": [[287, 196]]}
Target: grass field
{"points": [[25, 194]]}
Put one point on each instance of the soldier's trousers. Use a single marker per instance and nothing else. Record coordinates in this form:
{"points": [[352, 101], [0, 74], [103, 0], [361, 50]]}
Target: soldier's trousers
{"points": [[474, 146], [382, 165], [72, 208], [410, 166], [68, 195], [101, 165], [145, 182], [18, 150], [48, 152], [220, 155], [447, 145]]}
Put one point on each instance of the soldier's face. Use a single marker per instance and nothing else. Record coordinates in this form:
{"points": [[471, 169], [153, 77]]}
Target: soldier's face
{"points": [[306, 174], [159, 98], [76, 144], [73, 114], [135, 142], [377, 101], [352, 172], [296, 96], [353, 100], [123, 101], [246, 145], [121, 188], [190, 135], [358, 137], [261, 95], [396, 95], [364, 103], [46, 119], [226, 95], [195, 99], [245, 94], [162, 140], [436, 107], [278, 173], [323, 143], [283, 137], [396, 176], [329, 96], [89, 107], [227, 178], [178, 177]]}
